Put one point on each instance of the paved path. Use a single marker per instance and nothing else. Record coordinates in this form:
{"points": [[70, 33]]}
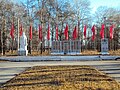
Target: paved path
{"points": [[9, 69], [58, 58]]}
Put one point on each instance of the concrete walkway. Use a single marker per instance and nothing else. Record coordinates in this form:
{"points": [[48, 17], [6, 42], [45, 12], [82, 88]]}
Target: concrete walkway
{"points": [[9, 70], [57, 58]]}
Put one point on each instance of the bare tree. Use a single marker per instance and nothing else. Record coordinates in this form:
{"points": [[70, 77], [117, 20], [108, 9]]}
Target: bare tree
{"points": [[108, 16]]}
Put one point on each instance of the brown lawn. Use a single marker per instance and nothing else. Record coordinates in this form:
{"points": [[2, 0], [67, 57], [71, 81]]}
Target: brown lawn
{"points": [[85, 52], [61, 78]]}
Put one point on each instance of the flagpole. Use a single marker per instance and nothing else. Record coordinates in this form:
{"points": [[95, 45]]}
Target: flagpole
{"points": [[3, 35], [105, 33], [12, 45], [40, 37], [48, 47], [2, 38], [0, 43], [94, 42], [41, 40], [48, 38], [30, 38], [41, 48], [79, 28], [12, 31], [18, 33]]}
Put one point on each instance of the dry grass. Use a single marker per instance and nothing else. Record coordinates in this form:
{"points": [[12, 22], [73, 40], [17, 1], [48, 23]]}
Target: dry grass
{"points": [[85, 52], [61, 78], [95, 52], [34, 53], [90, 52], [10, 53], [38, 53], [115, 52]]}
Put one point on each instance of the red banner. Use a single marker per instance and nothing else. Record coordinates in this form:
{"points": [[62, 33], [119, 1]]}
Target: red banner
{"points": [[48, 32], [85, 29], [111, 31], [30, 33], [66, 32], [75, 33], [12, 31], [102, 31], [93, 32], [21, 31]]}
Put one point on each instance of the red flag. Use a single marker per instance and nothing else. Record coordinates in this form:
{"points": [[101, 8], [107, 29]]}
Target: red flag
{"points": [[85, 28], [48, 32], [75, 33], [12, 31], [66, 32], [56, 32], [30, 34], [40, 32], [111, 31], [93, 32], [21, 31], [102, 31]]}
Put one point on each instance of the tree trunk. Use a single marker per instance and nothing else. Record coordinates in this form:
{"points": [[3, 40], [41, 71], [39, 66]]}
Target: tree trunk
{"points": [[29, 47], [0, 42], [4, 43]]}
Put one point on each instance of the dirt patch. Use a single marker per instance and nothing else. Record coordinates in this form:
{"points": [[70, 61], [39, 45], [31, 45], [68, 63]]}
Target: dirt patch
{"points": [[61, 78]]}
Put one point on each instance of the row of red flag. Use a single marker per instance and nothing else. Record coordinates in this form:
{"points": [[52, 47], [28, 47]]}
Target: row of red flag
{"points": [[12, 31], [74, 34], [111, 29]]}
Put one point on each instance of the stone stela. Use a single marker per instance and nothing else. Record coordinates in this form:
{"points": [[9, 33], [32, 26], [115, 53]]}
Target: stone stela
{"points": [[71, 47], [22, 51], [104, 46]]}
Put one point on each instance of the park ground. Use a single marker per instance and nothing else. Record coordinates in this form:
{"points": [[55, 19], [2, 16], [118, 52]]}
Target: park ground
{"points": [[108, 74]]}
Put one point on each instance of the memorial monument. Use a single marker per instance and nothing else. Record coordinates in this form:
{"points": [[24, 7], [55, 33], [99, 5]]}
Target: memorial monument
{"points": [[22, 51], [70, 47], [104, 46]]}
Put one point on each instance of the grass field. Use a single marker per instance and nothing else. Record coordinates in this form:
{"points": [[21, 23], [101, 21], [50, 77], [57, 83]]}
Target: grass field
{"points": [[61, 78]]}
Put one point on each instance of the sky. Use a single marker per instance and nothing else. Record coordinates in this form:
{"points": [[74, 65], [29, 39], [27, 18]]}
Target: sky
{"points": [[96, 3], [109, 3]]}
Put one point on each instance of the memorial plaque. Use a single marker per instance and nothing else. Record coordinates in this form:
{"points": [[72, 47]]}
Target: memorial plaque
{"points": [[104, 46], [66, 47]]}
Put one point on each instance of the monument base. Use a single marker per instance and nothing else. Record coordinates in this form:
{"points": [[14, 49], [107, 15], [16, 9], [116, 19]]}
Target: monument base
{"points": [[104, 53], [22, 52], [69, 53]]}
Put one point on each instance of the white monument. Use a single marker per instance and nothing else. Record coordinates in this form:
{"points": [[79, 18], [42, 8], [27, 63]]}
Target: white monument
{"points": [[22, 51]]}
